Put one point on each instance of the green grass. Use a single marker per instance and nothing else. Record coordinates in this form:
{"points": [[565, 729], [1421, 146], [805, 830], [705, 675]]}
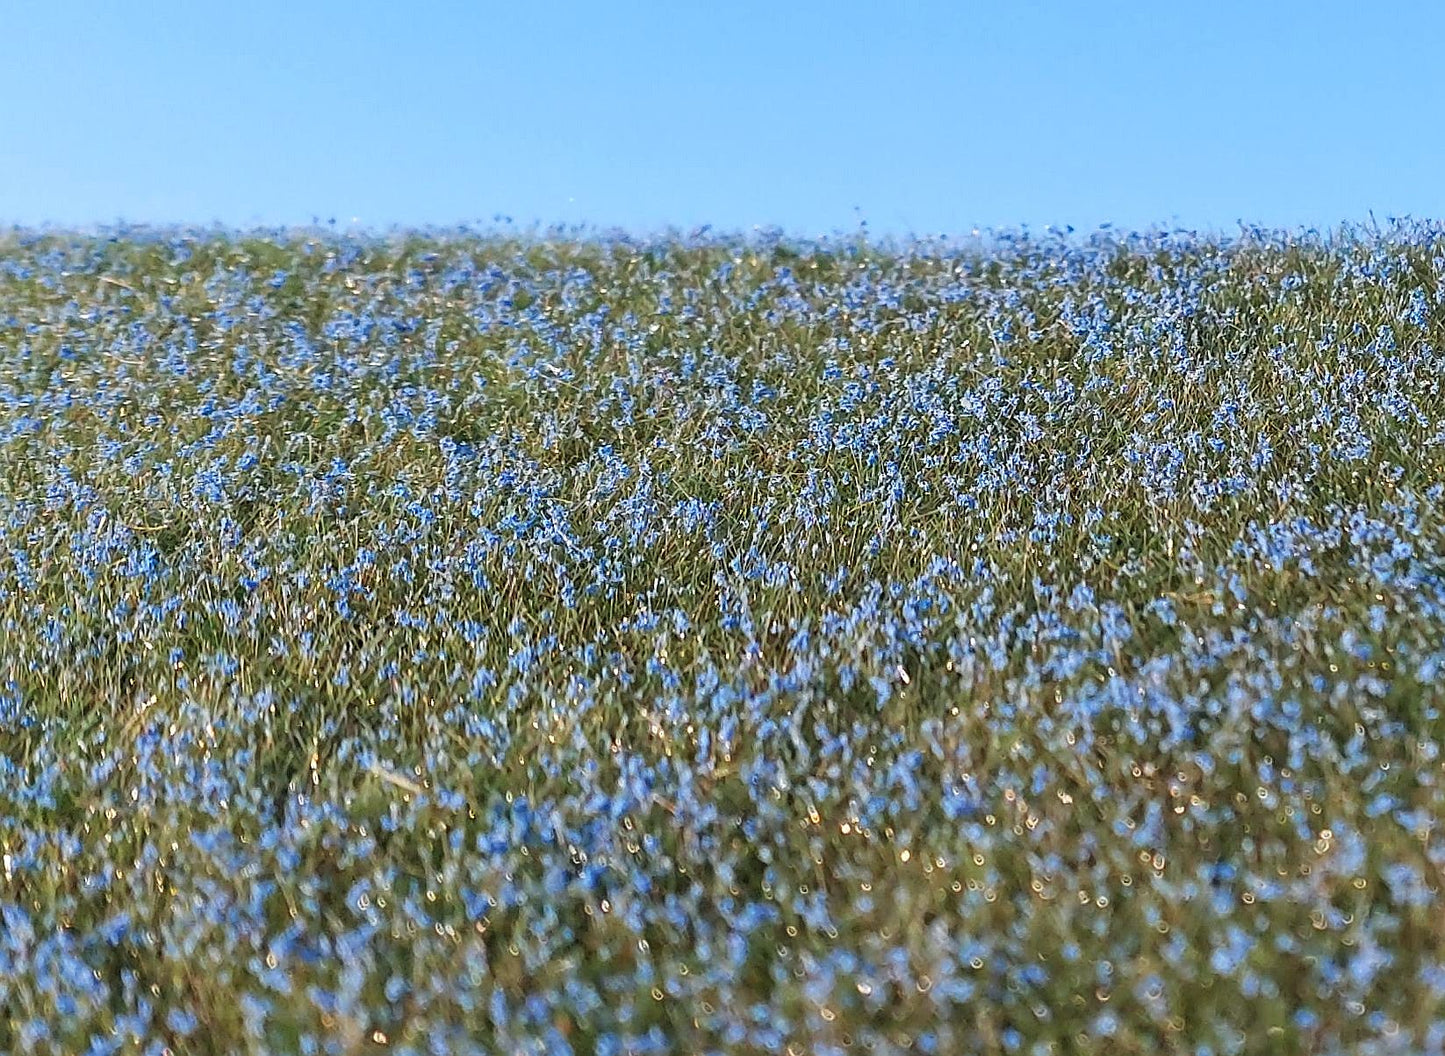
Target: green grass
{"points": [[619, 646]]}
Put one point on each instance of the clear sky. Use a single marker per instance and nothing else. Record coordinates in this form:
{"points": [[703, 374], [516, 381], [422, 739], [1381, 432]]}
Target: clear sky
{"points": [[919, 117]]}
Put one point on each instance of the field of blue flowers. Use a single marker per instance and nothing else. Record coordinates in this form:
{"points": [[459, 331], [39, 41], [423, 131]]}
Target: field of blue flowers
{"points": [[447, 643]]}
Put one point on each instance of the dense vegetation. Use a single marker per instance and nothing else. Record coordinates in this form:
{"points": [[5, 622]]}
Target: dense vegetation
{"points": [[443, 643]]}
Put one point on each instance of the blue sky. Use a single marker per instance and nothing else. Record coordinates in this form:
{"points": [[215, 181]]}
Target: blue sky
{"points": [[922, 117]]}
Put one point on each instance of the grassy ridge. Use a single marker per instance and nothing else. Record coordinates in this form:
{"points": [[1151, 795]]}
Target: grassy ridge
{"points": [[444, 644]]}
